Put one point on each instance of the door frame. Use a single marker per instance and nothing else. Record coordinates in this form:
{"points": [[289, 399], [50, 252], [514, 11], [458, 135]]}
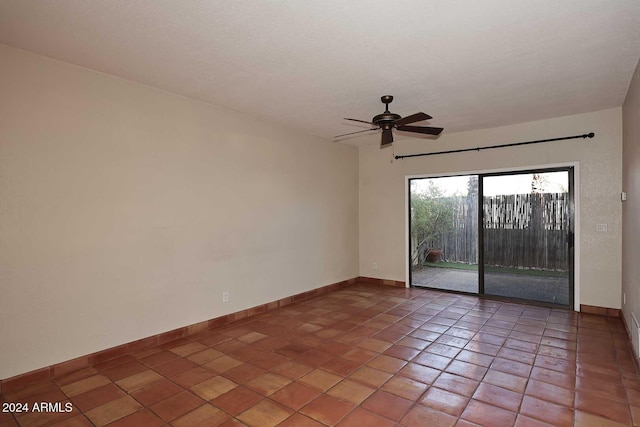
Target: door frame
{"points": [[515, 169]]}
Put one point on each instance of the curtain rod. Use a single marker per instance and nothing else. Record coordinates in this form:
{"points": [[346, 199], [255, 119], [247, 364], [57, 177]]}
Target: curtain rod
{"points": [[586, 135]]}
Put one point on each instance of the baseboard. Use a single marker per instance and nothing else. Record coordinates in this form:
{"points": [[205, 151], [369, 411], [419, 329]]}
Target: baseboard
{"points": [[384, 282], [64, 368], [602, 311], [628, 331]]}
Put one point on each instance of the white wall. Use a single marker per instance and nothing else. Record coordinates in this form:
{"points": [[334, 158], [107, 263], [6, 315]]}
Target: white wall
{"points": [[631, 208], [382, 190], [125, 211]]}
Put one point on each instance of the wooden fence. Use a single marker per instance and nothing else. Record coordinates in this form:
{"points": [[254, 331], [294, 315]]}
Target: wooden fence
{"points": [[520, 231]]}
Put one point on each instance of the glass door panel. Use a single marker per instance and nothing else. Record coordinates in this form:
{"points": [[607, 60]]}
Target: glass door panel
{"points": [[526, 236], [443, 229]]}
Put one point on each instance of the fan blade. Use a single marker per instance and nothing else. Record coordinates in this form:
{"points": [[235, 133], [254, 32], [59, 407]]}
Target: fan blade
{"points": [[420, 129], [417, 117], [356, 120], [351, 133], [387, 137]]}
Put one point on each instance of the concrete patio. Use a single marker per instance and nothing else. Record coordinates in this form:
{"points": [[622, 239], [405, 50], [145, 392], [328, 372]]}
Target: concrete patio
{"points": [[529, 287]]}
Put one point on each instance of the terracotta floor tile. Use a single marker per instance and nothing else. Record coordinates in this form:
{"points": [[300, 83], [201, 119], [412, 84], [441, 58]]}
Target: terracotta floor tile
{"points": [[550, 392], [452, 340], [213, 387], [488, 415], [205, 356], [267, 413], [607, 389], [456, 384], [517, 355], [479, 359], [374, 345], [351, 391], [498, 396], [326, 409], [504, 380], [516, 344], [298, 420], [596, 404], [388, 405], [237, 400], [444, 401], [387, 364], [295, 395], [138, 381], [512, 367], [360, 355], [422, 416], [185, 350], [77, 421], [482, 348], [401, 352], [267, 383], [35, 418], [114, 410], [361, 417], [405, 387], [292, 370], [84, 385], [584, 419], [252, 337], [156, 392], [341, 366], [176, 405], [141, 418], [53, 394], [314, 358], [524, 421], [423, 374], [364, 355], [268, 360], [222, 364], [68, 379], [192, 376], [551, 413], [158, 358], [560, 379], [96, 397], [635, 414], [467, 370], [320, 379], [124, 370], [243, 373], [203, 416], [555, 364]]}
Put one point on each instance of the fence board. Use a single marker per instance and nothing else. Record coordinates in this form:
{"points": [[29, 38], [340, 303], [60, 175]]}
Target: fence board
{"points": [[521, 231]]}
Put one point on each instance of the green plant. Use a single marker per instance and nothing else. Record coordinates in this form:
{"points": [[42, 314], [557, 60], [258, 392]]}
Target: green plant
{"points": [[431, 217]]}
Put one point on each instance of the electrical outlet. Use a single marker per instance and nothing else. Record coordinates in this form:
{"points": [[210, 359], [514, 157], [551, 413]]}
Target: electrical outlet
{"points": [[375, 265], [601, 227], [225, 296]]}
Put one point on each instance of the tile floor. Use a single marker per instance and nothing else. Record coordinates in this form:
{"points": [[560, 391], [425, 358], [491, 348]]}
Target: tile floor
{"points": [[365, 356]]}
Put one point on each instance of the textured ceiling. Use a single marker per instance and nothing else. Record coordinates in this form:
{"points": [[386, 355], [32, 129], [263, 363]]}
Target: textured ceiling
{"points": [[309, 63]]}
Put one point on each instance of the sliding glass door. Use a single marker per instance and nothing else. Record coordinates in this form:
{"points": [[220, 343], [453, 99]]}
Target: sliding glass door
{"points": [[526, 236], [444, 233], [523, 248]]}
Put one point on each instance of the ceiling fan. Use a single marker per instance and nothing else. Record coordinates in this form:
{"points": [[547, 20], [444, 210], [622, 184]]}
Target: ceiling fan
{"points": [[388, 120]]}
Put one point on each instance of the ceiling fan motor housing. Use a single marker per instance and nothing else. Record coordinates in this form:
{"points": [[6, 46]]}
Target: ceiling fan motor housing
{"points": [[385, 120]]}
